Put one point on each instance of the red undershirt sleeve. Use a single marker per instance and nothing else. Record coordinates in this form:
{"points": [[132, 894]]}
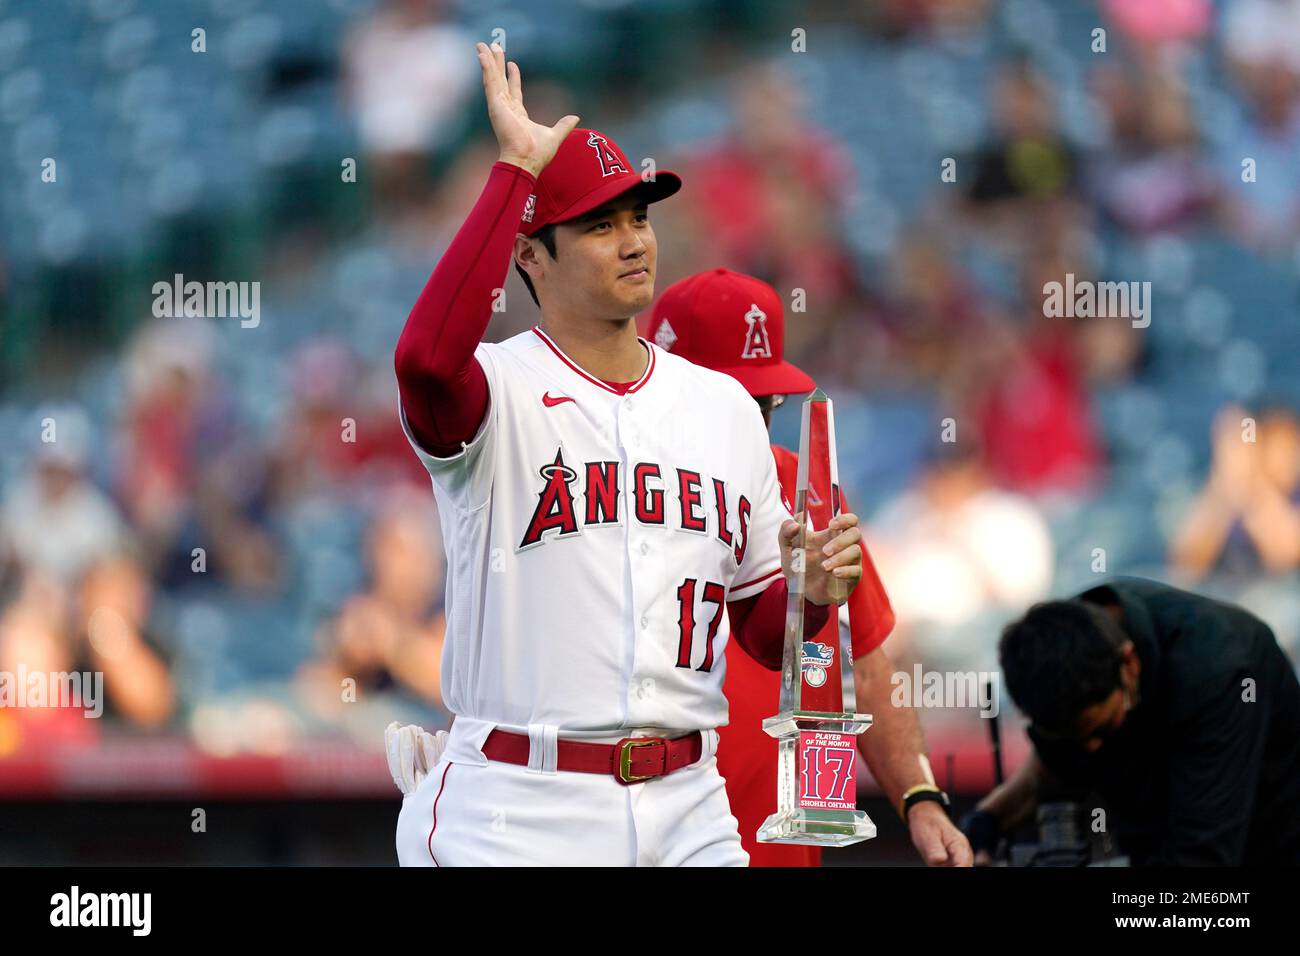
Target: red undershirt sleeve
{"points": [[758, 622], [444, 391]]}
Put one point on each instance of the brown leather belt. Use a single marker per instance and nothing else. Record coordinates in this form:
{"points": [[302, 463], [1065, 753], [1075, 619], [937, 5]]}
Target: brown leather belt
{"points": [[631, 760]]}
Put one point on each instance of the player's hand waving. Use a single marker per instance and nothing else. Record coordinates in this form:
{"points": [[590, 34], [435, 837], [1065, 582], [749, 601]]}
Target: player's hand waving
{"points": [[833, 563], [523, 142]]}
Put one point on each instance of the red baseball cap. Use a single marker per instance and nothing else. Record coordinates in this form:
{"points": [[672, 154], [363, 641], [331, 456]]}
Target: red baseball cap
{"points": [[731, 323], [588, 170]]}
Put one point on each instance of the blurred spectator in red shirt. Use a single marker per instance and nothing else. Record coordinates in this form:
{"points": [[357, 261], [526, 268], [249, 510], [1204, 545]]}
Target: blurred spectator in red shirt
{"points": [[939, 311], [186, 472], [769, 195], [339, 435], [1034, 417], [169, 395], [316, 445], [1028, 385]]}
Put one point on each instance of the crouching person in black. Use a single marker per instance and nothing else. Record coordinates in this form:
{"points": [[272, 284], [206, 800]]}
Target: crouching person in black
{"points": [[1180, 712]]}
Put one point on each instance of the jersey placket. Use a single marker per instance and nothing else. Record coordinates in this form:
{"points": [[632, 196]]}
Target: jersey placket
{"points": [[642, 710], [628, 432]]}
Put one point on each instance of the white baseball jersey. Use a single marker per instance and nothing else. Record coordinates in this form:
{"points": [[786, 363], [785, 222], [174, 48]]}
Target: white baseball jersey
{"points": [[594, 538]]}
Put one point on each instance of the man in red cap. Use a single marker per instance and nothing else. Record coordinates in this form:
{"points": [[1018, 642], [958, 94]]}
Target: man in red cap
{"points": [[611, 516], [734, 323]]}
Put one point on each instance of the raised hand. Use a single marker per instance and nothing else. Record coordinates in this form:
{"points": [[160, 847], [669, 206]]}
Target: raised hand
{"points": [[523, 142], [1234, 469]]}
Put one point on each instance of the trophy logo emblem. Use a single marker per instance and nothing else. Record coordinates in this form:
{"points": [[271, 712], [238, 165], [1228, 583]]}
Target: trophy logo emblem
{"points": [[817, 658]]}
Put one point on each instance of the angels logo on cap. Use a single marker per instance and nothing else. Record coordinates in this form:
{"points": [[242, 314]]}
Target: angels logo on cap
{"points": [[757, 344], [731, 323], [609, 161], [571, 184]]}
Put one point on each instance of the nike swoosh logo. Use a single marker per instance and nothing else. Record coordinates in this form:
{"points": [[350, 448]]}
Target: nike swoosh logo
{"points": [[550, 402]]}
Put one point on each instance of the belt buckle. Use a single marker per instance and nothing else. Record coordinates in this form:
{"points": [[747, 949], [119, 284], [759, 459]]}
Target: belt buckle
{"points": [[623, 765]]}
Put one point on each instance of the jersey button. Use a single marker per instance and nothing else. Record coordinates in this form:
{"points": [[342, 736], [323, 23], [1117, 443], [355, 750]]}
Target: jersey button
{"points": [[645, 548], [645, 621]]}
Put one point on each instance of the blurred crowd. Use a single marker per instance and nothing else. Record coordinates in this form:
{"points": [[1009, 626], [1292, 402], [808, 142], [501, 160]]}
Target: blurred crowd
{"points": [[229, 525]]}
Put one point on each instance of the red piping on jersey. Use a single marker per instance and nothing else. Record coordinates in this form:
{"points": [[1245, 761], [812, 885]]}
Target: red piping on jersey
{"points": [[737, 587], [429, 842], [645, 377]]}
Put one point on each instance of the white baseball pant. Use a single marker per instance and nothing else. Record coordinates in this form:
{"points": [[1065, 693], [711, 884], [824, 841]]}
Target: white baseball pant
{"points": [[471, 811]]}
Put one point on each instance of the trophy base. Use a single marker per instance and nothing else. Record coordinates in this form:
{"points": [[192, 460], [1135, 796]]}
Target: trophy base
{"points": [[791, 722], [817, 827]]}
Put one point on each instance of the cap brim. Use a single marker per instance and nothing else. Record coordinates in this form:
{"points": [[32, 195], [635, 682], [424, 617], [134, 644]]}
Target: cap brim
{"points": [[780, 379], [665, 183]]}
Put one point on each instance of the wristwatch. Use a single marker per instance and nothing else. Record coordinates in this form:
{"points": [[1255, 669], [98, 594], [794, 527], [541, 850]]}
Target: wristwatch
{"points": [[921, 793]]}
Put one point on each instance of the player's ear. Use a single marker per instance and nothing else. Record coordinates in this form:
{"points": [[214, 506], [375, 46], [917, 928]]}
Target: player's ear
{"points": [[525, 253]]}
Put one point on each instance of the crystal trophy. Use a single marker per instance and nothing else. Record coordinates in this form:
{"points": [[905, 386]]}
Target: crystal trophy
{"points": [[817, 724]]}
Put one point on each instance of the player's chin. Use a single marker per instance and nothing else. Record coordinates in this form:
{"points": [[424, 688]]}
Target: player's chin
{"points": [[638, 297]]}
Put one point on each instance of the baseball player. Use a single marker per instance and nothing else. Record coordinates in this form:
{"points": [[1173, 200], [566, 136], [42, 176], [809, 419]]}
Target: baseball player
{"points": [[611, 516], [734, 323]]}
